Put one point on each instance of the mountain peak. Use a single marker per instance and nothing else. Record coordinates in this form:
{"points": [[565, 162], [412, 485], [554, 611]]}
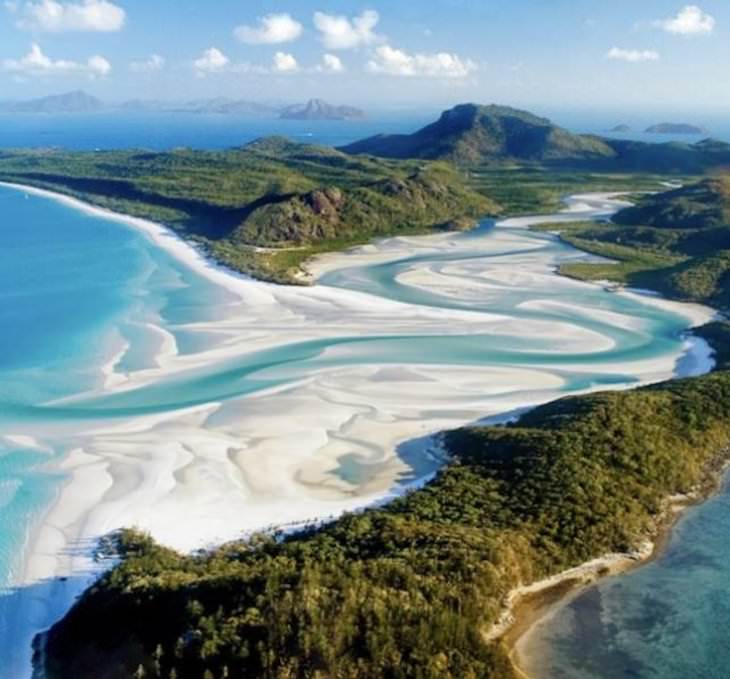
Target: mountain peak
{"points": [[473, 133]]}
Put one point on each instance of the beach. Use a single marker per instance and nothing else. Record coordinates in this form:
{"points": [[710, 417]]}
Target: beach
{"points": [[532, 607], [306, 402]]}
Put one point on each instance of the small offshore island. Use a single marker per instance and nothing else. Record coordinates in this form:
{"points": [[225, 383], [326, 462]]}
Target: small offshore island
{"points": [[426, 584]]}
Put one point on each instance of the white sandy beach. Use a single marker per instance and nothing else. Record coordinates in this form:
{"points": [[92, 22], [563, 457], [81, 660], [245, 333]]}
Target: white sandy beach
{"points": [[336, 438]]}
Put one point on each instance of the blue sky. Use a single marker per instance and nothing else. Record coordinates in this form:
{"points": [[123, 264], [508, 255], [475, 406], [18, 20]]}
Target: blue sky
{"points": [[652, 55]]}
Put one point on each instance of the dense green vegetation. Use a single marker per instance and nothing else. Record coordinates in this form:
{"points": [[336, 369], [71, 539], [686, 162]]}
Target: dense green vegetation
{"points": [[472, 135], [534, 189], [265, 207], [407, 591], [677, 242], [700, 205]]}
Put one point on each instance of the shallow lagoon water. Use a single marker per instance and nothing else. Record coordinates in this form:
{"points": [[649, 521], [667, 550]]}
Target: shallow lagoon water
{"points": [[667, 619], [299, 417]]}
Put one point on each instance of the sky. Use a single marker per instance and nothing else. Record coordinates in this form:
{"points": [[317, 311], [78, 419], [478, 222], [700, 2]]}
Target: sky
{"points": [[569, 54]]}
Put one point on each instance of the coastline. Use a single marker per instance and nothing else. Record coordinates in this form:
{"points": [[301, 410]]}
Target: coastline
{"points": [[89, 470], [528, 606]]}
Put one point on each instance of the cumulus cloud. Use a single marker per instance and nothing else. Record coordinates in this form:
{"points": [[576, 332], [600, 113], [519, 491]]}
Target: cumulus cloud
{"points": [[330, 64], [36, 63], [271, 30], [285, 63], [154, 63], [211, 60], [691, 20], [633, 56], [342, 33], [52, 16], [392, 61]]}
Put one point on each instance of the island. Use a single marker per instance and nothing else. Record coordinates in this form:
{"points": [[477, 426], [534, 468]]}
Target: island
{"points": [[428, 584], [71, 102], [317, 109], [621, 129], [675, 128]]}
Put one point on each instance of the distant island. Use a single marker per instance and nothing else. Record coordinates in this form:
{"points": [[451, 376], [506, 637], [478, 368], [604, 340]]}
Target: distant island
{"points": [[71, 102], [675, 128], [621, 128], [79, 101], [316, 109]]}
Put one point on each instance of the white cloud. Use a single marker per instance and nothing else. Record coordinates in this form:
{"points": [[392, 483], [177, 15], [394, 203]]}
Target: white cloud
{"points": [[211, 60], [271, 30], [342, 33], [52, 16], [633, 56], [285, 63], [330, 64], [35, 63], [154, 63], [392, 61], [691, 20]]}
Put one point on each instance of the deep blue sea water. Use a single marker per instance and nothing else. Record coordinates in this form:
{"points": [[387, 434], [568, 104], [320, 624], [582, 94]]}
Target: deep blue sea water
{"points": [[160, 131]]}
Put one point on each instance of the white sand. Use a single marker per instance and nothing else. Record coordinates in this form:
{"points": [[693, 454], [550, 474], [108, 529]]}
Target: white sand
{"points": [[203, 475]]}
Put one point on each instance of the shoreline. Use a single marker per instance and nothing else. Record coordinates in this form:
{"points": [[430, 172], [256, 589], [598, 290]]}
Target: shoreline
{"points": [[93, 471], [530, 605]]}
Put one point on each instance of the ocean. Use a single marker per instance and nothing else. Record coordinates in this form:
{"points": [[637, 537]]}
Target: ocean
{"points": [[162, 131]]}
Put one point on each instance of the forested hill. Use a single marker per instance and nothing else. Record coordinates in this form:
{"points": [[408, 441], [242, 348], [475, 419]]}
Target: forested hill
{"points": [[676, 242], [696, 206], [265, 207], [473, 135]]}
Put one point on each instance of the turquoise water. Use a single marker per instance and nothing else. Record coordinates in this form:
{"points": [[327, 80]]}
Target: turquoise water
{"points": [[79, 292], [666, 620], [73, 289]]}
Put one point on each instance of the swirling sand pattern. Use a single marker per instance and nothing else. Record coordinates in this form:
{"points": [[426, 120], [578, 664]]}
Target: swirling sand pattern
{"points": [[279, 405]]}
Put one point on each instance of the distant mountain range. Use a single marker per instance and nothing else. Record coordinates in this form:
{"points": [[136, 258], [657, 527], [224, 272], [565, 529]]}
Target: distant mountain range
{"points": [[82, 102]]}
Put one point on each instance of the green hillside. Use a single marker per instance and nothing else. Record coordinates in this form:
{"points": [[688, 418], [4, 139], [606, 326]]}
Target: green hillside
{"points": [[472, 134], [263, 208], [697, 206], [677, 242]]}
